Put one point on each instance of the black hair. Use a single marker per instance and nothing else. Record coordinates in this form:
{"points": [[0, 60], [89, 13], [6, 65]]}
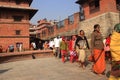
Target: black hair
{"points": [[81, 31], [96, 25]]}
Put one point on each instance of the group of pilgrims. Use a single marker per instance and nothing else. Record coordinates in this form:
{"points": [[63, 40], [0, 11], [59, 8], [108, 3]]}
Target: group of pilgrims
{"points": [[101, 50]]}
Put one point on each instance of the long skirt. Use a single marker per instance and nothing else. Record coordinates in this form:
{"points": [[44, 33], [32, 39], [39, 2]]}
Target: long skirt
{"points": [[81, 55], [64, 53], [99, 64]]}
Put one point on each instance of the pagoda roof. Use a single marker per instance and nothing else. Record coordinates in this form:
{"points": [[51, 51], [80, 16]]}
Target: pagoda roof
{"points": [[30, 10], [30, 1]]}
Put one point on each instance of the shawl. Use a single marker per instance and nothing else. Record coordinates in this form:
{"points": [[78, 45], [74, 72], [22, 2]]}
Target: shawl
{"points": [[115, 46]]}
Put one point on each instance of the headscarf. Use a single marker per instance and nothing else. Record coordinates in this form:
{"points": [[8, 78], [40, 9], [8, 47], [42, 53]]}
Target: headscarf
{"points": [[115, 43], [117, 28], [63, 38]]}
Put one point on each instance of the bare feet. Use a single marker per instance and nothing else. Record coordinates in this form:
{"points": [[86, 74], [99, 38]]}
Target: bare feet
{"points": [[83, 67], [100, 75]]}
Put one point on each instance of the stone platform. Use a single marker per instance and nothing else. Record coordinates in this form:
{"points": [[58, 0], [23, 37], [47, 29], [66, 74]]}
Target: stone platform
{"points": [[25, 55]]}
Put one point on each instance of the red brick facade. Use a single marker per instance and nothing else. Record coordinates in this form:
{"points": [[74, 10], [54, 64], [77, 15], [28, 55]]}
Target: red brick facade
{"points": [[46, 30], [14, 22], [68, 27], [104, 6], [91, 9], [102, 12]]}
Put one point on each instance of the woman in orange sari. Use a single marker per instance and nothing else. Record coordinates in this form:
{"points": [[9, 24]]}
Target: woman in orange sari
{"points": [[97, 49]]}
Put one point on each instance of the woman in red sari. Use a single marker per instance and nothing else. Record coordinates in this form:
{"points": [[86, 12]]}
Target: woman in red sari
{"points": [[97, 49], [73, 55]]}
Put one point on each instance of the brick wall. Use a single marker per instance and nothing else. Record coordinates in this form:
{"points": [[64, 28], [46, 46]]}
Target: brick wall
{"points": [[68, 29], [5, 42], [8, 26], [105, 6], [106, 21], [8, 32]]}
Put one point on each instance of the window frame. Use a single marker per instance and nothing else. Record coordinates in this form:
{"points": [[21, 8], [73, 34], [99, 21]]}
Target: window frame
{"points": [[118, 4], [18, 2], [17, 32], [71, 19], [60, 24], [82, 15], [17, 18], [94, 6], [43, 33]]}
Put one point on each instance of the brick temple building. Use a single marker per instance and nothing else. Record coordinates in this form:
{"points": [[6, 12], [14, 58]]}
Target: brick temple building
{"points": [[49, 29], [45, 29], [102, 12], [32, 30], [14, 22], [68, 26]]}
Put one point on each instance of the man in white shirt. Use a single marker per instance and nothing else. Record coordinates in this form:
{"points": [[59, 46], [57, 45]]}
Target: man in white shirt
{"points": [[57, 46]]}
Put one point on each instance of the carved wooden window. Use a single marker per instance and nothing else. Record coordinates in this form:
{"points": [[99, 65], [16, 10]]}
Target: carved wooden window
{"points": [[43, 33], [17, 32], [71, 19], [118, 4], [60, 24], [94, 6], [51, 29], [82, 15], [17, 2], [17, 18]]}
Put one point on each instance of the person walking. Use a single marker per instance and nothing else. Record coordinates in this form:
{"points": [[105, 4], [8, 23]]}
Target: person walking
{"points": [[115, 53], [72, 51], [63, 48], [57, 46], [81, 45], [97, 50]]}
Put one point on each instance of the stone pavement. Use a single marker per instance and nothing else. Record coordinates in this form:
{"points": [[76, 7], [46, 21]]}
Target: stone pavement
{"points": [[46, 69]]}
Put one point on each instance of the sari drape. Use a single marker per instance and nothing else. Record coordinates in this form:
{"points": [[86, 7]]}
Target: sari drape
{"points": [[99, 65], [115, 51]]}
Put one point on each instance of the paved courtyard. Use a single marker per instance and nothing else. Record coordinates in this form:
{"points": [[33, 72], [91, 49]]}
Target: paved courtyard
{"points": [[46, 69]]}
